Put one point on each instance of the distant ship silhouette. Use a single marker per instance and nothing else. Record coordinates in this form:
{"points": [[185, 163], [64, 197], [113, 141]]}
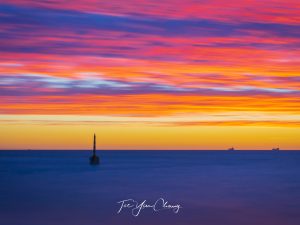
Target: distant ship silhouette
{"points": [[94, 159], [275, 149], [231, 149]]}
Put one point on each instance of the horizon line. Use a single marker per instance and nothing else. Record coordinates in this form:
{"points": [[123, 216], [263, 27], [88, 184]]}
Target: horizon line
{"points": [[146, 150]]}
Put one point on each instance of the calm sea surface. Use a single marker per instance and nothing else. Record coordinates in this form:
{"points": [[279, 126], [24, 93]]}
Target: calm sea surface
{"points": [[213, 187]]}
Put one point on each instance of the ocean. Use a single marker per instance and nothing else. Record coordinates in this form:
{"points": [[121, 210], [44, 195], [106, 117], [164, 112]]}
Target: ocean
{"points": [[211, 187]]}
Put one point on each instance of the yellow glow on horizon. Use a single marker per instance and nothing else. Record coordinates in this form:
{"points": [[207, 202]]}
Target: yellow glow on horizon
{"points": [[139, 136]]}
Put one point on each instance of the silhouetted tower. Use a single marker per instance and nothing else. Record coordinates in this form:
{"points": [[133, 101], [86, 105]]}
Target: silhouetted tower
{"points": [[94, 149], [94, 159]]}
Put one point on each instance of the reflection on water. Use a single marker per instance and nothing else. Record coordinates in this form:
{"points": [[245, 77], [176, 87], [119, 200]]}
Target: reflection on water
{"points": [[213, 187]]}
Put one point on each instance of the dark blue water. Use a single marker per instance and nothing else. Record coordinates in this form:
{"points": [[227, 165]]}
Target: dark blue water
{"points": [[213, 187]]}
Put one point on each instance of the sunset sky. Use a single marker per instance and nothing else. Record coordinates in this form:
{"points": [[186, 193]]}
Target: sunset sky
{"points": [[155, 74]]}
